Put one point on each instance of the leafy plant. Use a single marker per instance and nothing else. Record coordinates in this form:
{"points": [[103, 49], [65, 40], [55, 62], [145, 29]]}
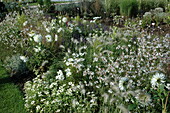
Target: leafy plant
{"points": [[12, 6], [40, 2], [3, 11], [155, 17], [147, 5], [111, 6], [128, 7], [47, 4], [111, 72], [16, 66]]}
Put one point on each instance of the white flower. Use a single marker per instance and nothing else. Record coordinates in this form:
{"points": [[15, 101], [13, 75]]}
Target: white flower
{"points": [[92, 21], [159, 9], [38, 107], [25, 23], [153, 24], [37, 49], [60, 75], [37, 38], [48, 38], [83, 91], [121, 83], [31, 34], [44, 63], [33, 102], [68, 72], [64, 19], [74, 103], [140, 22], [23, 58], [84, 21], [47, 29], [168, 86], [59, 30], [110, 91], [58, 111], [95, 18], [157, 79], [167, 35], [147, 14], [61, 46], [56, 37]]}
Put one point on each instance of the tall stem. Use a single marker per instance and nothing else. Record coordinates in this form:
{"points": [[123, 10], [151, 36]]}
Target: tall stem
{"points": [[166, 102]]}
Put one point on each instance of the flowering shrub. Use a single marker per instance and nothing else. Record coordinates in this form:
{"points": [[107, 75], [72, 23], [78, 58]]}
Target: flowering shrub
{"points": [[108, 73], [155, 17], [83, 66], [42, 39], [10, 36]]}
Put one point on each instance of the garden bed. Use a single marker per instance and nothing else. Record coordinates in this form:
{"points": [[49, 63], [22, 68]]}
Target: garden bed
{"points": [[86, 63]]}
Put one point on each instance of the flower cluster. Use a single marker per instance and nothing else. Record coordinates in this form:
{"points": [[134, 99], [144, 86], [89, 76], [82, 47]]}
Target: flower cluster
{"points": [[84, 66], [106, 69]]}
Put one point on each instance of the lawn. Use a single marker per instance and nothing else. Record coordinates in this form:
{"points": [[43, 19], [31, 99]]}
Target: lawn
{"points": [[11, 98]]}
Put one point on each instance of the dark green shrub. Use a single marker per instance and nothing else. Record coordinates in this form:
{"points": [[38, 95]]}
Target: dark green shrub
{"points": [[3, 11], [128, 8], [5, 8], [115, 6], [147, 5], [40, 2], [47, 2], [12, 6]]}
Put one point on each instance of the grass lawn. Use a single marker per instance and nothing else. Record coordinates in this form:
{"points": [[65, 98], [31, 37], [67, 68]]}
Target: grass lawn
{"points": [[11, 98]]}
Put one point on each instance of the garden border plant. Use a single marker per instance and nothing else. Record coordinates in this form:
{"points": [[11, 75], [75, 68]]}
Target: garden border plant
{"points": [[82, 66]]}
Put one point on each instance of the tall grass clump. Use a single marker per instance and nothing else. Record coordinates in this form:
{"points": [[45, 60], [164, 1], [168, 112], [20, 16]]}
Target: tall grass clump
{"points": [[128, 8], [111, 6]]}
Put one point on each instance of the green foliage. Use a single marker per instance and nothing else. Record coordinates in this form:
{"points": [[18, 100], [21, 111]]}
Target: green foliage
{"points": [[15, 66], [128, 7], [3, 11], [47, 2], [111, 70], [12, 6], [147, 5], [156, 16], [20, 20], [10, 36], [7, 8], [40, 2], [44, 5], [83, 66], [111, 6]]}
